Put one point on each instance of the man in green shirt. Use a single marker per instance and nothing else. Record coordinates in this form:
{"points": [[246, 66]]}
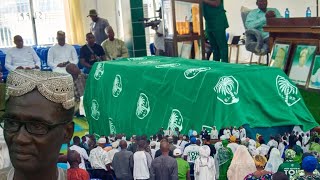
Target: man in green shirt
{"points": [[289, 167], [183, 166], [216, 25], [257, 19]]}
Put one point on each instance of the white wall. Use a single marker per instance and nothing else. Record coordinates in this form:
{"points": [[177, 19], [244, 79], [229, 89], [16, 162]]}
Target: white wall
{"points": [[297, 8]]}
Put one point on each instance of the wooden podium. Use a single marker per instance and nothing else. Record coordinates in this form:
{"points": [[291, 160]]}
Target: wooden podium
{"points": [[295, 31]]}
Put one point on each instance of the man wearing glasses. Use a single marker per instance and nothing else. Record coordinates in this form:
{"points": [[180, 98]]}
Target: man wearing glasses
{"points": [[37, 121]]}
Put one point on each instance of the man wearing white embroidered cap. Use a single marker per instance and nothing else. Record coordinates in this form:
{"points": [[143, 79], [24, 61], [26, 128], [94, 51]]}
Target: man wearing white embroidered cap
{"points": [[61, 54], [37, 121], [99, 159]]}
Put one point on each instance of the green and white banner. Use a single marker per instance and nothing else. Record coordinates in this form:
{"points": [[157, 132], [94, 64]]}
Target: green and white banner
{"points": [[140, 95]]}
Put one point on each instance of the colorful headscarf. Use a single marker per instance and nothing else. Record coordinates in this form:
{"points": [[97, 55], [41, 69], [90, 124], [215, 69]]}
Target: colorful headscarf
{"points": [[260, 161], [225, 143], [233, 139], [290, 154], [309, 164]]}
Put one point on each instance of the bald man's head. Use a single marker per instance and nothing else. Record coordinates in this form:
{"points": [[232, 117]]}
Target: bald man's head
{"points": [[123, 144], [164, 146], [74, 158]]}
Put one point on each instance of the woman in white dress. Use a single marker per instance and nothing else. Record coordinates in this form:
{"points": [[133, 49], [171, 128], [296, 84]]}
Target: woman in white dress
{"points": [[274, 161], [204, 167]]}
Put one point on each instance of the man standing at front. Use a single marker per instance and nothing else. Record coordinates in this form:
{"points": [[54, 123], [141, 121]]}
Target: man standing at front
{"points": [[121, 163], [61, 54], [99, 160], [191, 153], [216, 25], [37, 121], [80, 150], [21, 57], [141, 161], [98, 26], [164, 167]]}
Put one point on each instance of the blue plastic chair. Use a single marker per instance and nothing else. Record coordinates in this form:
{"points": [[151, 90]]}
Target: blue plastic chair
{"points": [[5, 72], [44, 59]]}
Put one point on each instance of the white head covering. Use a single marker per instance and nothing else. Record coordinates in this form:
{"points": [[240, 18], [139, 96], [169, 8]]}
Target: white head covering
{"points": [[274, 161], [102, 141], [55, 87], [241, 165], [204, 165]]}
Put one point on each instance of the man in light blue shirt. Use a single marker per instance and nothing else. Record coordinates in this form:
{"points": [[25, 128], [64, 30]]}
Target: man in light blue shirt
{"points": [[256, 19]]}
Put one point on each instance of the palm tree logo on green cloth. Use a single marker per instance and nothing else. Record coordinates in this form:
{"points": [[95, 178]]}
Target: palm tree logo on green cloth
{"points": [[192, 73], [99, 71], [287, 91], [117, 86], [95, 114], [227, 90], [171, 65], [176, 120], [113, 129], [143, 106]]}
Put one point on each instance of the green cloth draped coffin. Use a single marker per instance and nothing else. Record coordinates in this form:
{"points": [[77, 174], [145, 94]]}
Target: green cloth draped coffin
{"points": [[140, 95]]}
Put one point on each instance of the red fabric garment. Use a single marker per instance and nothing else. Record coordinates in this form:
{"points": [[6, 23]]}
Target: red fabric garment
{"points": [[78, 174]]}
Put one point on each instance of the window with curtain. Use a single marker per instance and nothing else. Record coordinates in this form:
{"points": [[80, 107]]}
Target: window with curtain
{"points": [[37, 21]]}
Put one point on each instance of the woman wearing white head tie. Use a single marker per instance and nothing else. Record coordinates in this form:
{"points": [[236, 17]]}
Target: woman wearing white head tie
{"points": [[241, 165], [217, 145], [274, 161], [204, 167], [252, 147]]}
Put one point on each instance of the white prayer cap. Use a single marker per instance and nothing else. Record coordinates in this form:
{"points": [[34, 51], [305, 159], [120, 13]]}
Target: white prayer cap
{"points": [[223, 137], [177, 152], [55, 87], [194, 133], [115, 144], [102, 141], [153, 144]]}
